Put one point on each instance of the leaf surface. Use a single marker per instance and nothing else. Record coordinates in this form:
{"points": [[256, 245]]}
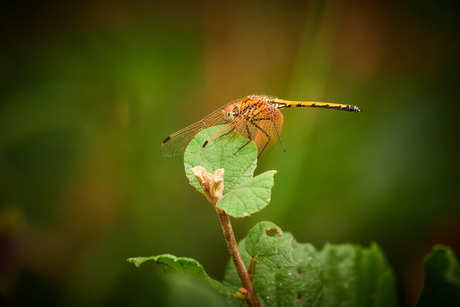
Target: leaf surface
{"points": [[248, 197], [275, 252]]}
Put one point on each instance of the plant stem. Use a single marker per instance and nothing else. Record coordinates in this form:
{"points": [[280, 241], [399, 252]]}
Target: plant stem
{"points": [[252, 268], [243, 273]]}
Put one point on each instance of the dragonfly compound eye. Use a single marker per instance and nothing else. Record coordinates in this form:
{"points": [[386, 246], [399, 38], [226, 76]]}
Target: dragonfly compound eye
{"points": [[228, 116]]}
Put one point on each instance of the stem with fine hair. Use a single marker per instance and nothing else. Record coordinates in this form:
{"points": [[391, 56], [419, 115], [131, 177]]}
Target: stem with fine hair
{"points": [[213, 185], [245, 277]]}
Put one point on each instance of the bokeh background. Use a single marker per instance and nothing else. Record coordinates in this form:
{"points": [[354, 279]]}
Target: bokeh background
{"points": [[89, 90]]}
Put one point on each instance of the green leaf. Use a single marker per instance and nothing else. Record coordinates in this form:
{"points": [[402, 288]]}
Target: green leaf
{"points": [[248, 197], [356, 276], [275, 252], [186, 266], [221, 154], [442, 279], [243, 193], [339, 275]]}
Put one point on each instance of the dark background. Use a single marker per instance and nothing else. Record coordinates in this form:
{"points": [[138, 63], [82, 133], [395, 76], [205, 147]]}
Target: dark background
{"points": [[89, 91]]}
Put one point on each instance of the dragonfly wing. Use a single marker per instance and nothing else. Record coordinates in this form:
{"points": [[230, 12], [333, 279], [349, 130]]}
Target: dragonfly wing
{"points": [[264, 128], [225, 132], [273, 128], [175, 144]]}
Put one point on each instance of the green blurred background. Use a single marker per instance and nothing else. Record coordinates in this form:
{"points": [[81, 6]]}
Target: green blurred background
{"points": [[89, 90]]}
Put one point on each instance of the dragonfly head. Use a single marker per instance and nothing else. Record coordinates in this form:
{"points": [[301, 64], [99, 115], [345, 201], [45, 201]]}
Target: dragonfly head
{"points": [[231, 112]]}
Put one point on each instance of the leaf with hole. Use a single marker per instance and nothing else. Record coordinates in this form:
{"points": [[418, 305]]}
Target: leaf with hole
{"points": [[275, 252]]}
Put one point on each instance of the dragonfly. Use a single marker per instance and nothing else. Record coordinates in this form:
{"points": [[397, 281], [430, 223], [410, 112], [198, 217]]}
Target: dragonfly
{"points": [[256, 117]]}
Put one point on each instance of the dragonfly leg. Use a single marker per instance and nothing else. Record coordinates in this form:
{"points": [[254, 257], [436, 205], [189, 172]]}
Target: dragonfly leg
{"points": [[276, 129], [279, 136], [206, 143], [258, 127], [249, 137]]}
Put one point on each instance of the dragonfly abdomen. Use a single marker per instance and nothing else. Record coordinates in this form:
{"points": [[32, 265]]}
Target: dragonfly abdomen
{"points": [[334, 106], [313, 104]]}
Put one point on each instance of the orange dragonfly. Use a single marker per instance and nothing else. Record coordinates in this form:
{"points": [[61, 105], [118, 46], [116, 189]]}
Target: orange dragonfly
{"points": [[255, 117]]}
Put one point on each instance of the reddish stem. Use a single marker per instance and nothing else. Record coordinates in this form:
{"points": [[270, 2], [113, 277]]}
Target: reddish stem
{"points": [[243, 273]]}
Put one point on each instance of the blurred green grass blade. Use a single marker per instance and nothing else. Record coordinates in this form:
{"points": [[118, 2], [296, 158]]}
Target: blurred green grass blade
{"points": [[442, 279], [186, 266], [275, 252]]}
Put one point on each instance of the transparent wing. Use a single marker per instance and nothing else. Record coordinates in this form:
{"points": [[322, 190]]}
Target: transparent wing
{"points": [[270, 122], [261, 123], [175, 144], [263, 126]]}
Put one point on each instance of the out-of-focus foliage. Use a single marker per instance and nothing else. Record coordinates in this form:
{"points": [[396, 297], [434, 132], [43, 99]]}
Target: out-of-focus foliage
{"points": [[441, 285], [89, 90]]}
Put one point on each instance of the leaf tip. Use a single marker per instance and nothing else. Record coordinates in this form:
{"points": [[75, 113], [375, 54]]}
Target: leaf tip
{"points": [[134, 261]]}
